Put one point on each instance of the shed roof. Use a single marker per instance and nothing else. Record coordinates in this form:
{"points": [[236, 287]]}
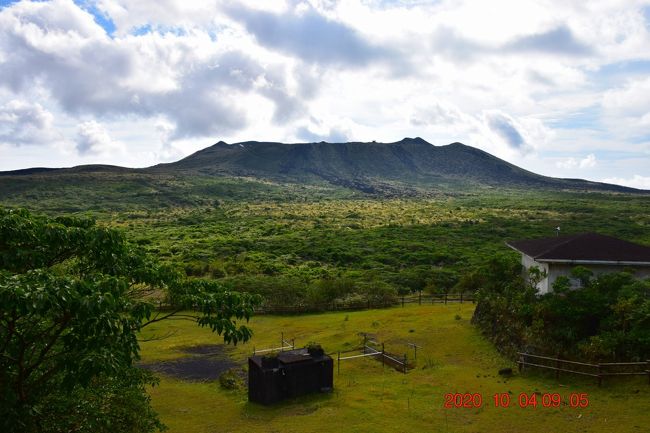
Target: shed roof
{"points": [[583, 247], [291, 357]]}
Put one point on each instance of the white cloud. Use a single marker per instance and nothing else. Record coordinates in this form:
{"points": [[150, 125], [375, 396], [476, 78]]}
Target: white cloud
{"points": [[631, 100], [93, 139], [588, 161], [22, 122], [641, 182], [188, 77]]}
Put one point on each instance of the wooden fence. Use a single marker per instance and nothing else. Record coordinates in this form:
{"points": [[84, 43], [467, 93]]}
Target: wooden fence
{"points": [[598, 371], [420, 299]]}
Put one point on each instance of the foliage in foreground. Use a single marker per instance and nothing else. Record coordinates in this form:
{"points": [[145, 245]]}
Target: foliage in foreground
{"points": [[73, 297], [608, 319]]}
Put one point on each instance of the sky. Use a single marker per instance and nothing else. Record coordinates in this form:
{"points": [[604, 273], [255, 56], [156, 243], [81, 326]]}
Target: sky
{"points": [[558, 87]]}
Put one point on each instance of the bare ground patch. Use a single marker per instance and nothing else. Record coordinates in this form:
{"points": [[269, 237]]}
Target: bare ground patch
{"points": [[205, 363]]}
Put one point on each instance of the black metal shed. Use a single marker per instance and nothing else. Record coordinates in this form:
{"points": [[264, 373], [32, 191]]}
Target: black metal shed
{"points": [[289, 374]]}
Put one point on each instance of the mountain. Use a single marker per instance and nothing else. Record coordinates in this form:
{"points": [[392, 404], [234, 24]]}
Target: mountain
{"points": [[411, 162], [264, 171]]}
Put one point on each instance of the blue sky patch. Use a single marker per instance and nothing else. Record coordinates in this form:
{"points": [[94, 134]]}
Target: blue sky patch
{"points": [[100, 17], [142, 30]]}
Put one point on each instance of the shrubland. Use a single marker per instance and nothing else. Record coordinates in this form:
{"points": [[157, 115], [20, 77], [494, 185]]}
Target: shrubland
{"points": [[606, 320]]}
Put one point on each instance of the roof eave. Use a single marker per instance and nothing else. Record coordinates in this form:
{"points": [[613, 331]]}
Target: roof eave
{"points": [[594, 262], [515, 248]]}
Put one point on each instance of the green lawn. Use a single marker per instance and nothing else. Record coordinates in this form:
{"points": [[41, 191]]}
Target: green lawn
{"points": [[367, 397]]}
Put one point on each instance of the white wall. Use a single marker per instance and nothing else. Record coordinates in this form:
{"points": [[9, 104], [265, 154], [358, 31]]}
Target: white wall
{"points": [[554, 270], [564, 269], [527, 262]]}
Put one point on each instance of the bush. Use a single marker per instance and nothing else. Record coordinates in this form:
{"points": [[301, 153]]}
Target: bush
{"points": [[606, 320], [230, 380]]}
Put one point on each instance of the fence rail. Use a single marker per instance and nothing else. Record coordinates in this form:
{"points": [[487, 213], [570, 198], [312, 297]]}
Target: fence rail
{"points": [[599, 371], [353, 306], [367, 304], [381, 355]]}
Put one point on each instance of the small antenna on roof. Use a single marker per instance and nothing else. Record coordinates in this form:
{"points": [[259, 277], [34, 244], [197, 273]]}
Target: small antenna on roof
{"points": [[557, 231]]}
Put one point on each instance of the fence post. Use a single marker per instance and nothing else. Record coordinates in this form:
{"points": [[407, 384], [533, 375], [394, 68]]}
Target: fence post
{"points": [[420, 298], [600, 377], [402, 301], [557, 366], [461, 297], [338, 364], [445, 298], [405, 367], [520, 364], [369, 302]]}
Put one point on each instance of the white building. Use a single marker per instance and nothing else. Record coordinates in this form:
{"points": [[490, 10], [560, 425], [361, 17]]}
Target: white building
{"points": [[598, 253]]}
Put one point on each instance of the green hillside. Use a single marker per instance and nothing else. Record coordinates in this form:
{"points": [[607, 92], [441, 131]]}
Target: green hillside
{"points": [[278, 171], [370, 167]]}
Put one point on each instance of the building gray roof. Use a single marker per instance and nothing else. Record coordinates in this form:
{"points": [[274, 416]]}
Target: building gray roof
{"points": [[583, 247]]}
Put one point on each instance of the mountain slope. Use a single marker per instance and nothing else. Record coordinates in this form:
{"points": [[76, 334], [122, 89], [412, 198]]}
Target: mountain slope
{"points": [[262, 171], [409, 162]]}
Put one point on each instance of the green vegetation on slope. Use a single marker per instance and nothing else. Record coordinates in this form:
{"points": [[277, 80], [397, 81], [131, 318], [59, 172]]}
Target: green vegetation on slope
{"points": [[308, 246], [105, 190], [302, 252], [410, 164]]}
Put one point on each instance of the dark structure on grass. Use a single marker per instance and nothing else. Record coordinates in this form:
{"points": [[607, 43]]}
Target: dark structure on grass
{"points": [[289, 374]]}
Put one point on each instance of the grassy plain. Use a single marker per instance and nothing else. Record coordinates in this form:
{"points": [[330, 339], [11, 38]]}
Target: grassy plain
{"points": [[454, 358]]}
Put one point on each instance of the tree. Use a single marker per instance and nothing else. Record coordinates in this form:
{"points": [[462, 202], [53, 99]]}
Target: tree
{"points": [[441, 281], [606, 320], [73, 297]]}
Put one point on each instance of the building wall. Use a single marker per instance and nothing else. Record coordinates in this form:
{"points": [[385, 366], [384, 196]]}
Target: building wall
{"points": [[554, 270], [564, 269], [527, 262]]}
